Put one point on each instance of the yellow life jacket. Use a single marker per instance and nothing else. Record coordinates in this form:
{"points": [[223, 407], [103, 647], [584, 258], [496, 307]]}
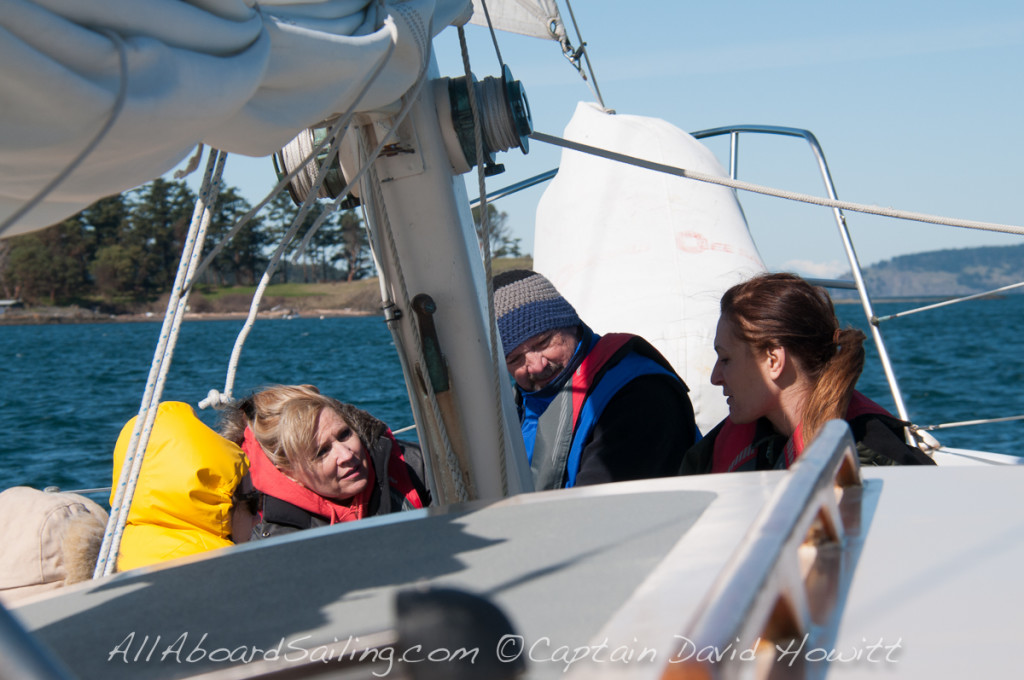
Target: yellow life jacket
{"points": [[182, 503]]}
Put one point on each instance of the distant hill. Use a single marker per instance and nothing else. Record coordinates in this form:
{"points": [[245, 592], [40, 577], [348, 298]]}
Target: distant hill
{"points": [[959, 271]]}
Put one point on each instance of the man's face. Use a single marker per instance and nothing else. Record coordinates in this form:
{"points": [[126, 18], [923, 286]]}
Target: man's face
{"points": [[540, 359]]}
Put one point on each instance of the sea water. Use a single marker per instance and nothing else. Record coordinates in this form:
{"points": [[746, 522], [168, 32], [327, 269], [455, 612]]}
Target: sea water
{"points": [[67, 390]]}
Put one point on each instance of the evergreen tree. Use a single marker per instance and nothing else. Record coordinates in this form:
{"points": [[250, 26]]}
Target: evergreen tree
{"points": [[355, 252], [8, 288], [281, 214], [116, 258], [106, 220], [242, 260], [161, 212], [49, 265], [503, 244]]}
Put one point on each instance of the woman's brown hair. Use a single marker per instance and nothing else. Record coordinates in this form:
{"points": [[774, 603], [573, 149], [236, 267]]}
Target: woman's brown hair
{"points": [[783, 310]]}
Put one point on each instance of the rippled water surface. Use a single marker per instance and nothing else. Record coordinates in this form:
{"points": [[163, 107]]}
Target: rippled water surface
{"points": [[66, 390]]}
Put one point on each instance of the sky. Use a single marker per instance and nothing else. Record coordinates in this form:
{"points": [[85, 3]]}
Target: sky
{"points": [[917, 106]]}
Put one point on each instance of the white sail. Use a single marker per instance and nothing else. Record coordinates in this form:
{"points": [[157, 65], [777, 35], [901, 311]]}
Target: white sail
{"points": [[537, 18], [608, 233], [238, 75]]}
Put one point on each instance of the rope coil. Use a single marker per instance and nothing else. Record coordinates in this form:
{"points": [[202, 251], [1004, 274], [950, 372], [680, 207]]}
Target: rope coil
{"points": [[497, 128]]}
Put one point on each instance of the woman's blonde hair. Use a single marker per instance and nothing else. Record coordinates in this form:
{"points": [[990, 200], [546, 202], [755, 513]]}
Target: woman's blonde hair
{"points": [[783, 310], [283, 418]]}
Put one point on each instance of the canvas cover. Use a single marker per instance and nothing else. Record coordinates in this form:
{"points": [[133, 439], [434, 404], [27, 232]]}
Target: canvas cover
{"points": [[239, 75], [643, 252]]}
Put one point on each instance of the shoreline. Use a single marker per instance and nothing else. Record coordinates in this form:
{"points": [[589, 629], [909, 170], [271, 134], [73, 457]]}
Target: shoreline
{"points": [[81, 316]]}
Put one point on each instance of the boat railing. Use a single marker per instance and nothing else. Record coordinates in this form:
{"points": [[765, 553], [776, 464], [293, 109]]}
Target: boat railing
{"points": [[916, 435], [784, 585], [857, 283]]}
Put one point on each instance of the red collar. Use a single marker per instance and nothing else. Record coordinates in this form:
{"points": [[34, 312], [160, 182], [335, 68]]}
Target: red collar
{"points": [[268, 479]]}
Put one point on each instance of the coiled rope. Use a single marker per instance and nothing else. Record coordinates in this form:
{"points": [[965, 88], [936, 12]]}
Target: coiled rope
{"points": [[296, 153], [176, 304], [778, 193], [487, 101]]}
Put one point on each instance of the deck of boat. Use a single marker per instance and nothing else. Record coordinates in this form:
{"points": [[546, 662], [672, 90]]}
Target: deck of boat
{"points": [[618, 572]]}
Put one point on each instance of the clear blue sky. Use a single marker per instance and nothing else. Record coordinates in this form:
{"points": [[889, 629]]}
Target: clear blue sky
{"points": [[916, 104]]}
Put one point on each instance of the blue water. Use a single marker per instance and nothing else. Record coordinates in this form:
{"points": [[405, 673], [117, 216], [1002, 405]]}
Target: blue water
{"points": [[66, 390], [955, 363]]}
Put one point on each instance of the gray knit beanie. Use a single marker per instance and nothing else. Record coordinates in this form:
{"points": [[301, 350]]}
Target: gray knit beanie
{"points": [[526, 304]]}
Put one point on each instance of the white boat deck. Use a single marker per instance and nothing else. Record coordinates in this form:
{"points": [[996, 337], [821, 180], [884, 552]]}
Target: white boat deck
{"points": [[618, 573], [558, 563], [939, 575]]}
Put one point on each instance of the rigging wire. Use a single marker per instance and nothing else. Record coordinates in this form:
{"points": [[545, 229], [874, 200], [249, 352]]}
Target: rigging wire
{"points": [[485, 225], [582, 50], [946, 303], [494, 39], [962, 423], [115, 112], [778, 193]]}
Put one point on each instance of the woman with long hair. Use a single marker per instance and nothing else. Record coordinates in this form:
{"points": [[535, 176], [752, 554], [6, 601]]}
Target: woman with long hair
{"points": [[786, 367]]}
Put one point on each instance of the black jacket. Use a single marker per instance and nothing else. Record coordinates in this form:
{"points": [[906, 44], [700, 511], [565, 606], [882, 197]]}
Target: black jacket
{"points": [[879, 440]]}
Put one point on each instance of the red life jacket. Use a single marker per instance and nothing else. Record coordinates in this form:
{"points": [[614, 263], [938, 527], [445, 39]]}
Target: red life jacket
{"points": [[734, 444], [268, 479], [583, 376]]}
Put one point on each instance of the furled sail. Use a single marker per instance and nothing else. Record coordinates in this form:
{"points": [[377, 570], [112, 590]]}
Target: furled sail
{"points": [[608, 234], [238, 75]]}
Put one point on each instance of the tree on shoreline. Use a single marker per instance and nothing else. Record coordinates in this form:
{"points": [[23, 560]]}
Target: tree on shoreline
{"points": [[125, 248], [503, 244]]}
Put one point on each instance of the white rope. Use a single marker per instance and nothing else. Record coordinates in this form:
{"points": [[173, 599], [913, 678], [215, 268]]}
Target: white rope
{"points": [[485, 224], [115, 111], [778, 193], [490, 107], [176, 304], [219, 399]]}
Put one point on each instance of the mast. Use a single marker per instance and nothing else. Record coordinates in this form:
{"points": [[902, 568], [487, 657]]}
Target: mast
{"points": [[435, 301]]}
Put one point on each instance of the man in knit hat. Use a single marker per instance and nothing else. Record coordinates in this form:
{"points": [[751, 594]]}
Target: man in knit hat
{"points": [[593, 408]]}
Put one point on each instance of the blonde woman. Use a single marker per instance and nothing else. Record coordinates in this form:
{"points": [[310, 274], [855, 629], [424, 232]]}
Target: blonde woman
{"points": [[316, 461]]}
